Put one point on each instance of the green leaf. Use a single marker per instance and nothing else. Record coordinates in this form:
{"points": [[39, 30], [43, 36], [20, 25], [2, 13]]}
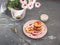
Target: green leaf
{"points": [[27, 1], [9, 8], [12, 0], [15, 3]]}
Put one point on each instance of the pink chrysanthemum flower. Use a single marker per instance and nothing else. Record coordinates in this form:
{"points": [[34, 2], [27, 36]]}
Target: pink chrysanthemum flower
{"points": [[32, 1], [30, 6], [23, 1], [37, 4], [24, 5]]}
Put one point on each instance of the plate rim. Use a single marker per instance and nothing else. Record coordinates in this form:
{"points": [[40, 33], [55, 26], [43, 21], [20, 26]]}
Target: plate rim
{"points": [[39, 37]]}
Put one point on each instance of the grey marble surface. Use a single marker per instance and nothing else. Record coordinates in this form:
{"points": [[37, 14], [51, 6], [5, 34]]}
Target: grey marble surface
{"points": [[49, 7]]}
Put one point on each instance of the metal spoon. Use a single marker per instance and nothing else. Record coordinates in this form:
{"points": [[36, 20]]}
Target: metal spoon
{"points": [[16, 32]]}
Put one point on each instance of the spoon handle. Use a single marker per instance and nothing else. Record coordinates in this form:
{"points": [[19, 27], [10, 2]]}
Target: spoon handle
{"points": [[16, 32]]}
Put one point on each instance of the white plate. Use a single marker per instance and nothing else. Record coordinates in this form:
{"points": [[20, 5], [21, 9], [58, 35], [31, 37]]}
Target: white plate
{"points": [[40, 35]]}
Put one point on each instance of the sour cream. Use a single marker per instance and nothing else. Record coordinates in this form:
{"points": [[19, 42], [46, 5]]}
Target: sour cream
{"points": [[44, 17]]}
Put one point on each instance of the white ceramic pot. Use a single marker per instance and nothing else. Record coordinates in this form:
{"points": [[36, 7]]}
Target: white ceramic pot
{"points": [[18, 14]]}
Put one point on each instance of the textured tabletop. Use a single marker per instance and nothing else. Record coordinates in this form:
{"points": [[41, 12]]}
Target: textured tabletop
{"points": [[49, 7]]}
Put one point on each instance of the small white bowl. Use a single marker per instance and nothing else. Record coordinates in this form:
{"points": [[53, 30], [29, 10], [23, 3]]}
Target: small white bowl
{"points": [[44, 17]]}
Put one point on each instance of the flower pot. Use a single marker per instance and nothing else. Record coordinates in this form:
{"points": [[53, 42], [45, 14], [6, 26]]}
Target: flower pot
{"points": [[18, 14]]}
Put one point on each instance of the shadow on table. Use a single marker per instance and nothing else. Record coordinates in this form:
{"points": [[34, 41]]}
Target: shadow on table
{"points": [[8, 13]]}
